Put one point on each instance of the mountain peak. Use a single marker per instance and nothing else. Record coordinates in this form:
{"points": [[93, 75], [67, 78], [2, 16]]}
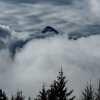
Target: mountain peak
{"points": [[49, 29]]}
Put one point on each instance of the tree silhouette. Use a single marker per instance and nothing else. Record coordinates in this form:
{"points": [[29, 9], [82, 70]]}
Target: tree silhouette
{"points": [[53, 91], [97, 94], [29, 98], [88, 93], [3, 95], [19, 96], [12, 98], [58, 90], [42, 94]]}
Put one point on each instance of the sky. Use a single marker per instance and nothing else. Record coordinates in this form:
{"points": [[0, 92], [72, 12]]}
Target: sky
{"points": [[41, 59]]}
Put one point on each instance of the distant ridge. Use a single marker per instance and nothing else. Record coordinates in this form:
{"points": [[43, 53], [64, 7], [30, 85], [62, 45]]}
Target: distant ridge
{"points": [[49, 29]]}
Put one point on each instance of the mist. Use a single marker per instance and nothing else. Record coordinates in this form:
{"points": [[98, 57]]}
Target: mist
{"points": [[39, 60]]}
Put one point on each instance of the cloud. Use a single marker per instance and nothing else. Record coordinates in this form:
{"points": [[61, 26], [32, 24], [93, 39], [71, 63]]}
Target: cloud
{"points": [[14, 42], [94, 6], [56, 2], [5, 36], [11, 41], [43, 58], [40, 59], [4, 31], [28, 17], [88, 31]]}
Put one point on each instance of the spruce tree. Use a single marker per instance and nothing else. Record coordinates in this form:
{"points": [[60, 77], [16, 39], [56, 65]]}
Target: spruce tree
{"points": [[29, 98], [63, 93], [3, 95], [88, 93], [42, 94], [12, 98], [53, 91], [19, 96], [58, 90], [97, 94]]}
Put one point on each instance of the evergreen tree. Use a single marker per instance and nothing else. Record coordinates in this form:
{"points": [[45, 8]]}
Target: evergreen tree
{"points": [[63, 93], [3, 95], [58, 90], [88, 93], [12, 98], [42, 94], [53, 91], [97, 95], [19, 96], [29, 98]]}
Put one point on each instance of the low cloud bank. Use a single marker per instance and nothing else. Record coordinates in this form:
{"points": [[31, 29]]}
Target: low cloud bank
{"points": [[39, 60]]}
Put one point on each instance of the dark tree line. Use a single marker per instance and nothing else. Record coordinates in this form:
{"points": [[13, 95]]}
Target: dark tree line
{"points": [[58, 90], [3, 95], [89, 93]]}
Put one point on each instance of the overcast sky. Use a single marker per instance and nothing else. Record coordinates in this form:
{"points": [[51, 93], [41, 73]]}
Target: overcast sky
{"points": [[41, 59]]}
